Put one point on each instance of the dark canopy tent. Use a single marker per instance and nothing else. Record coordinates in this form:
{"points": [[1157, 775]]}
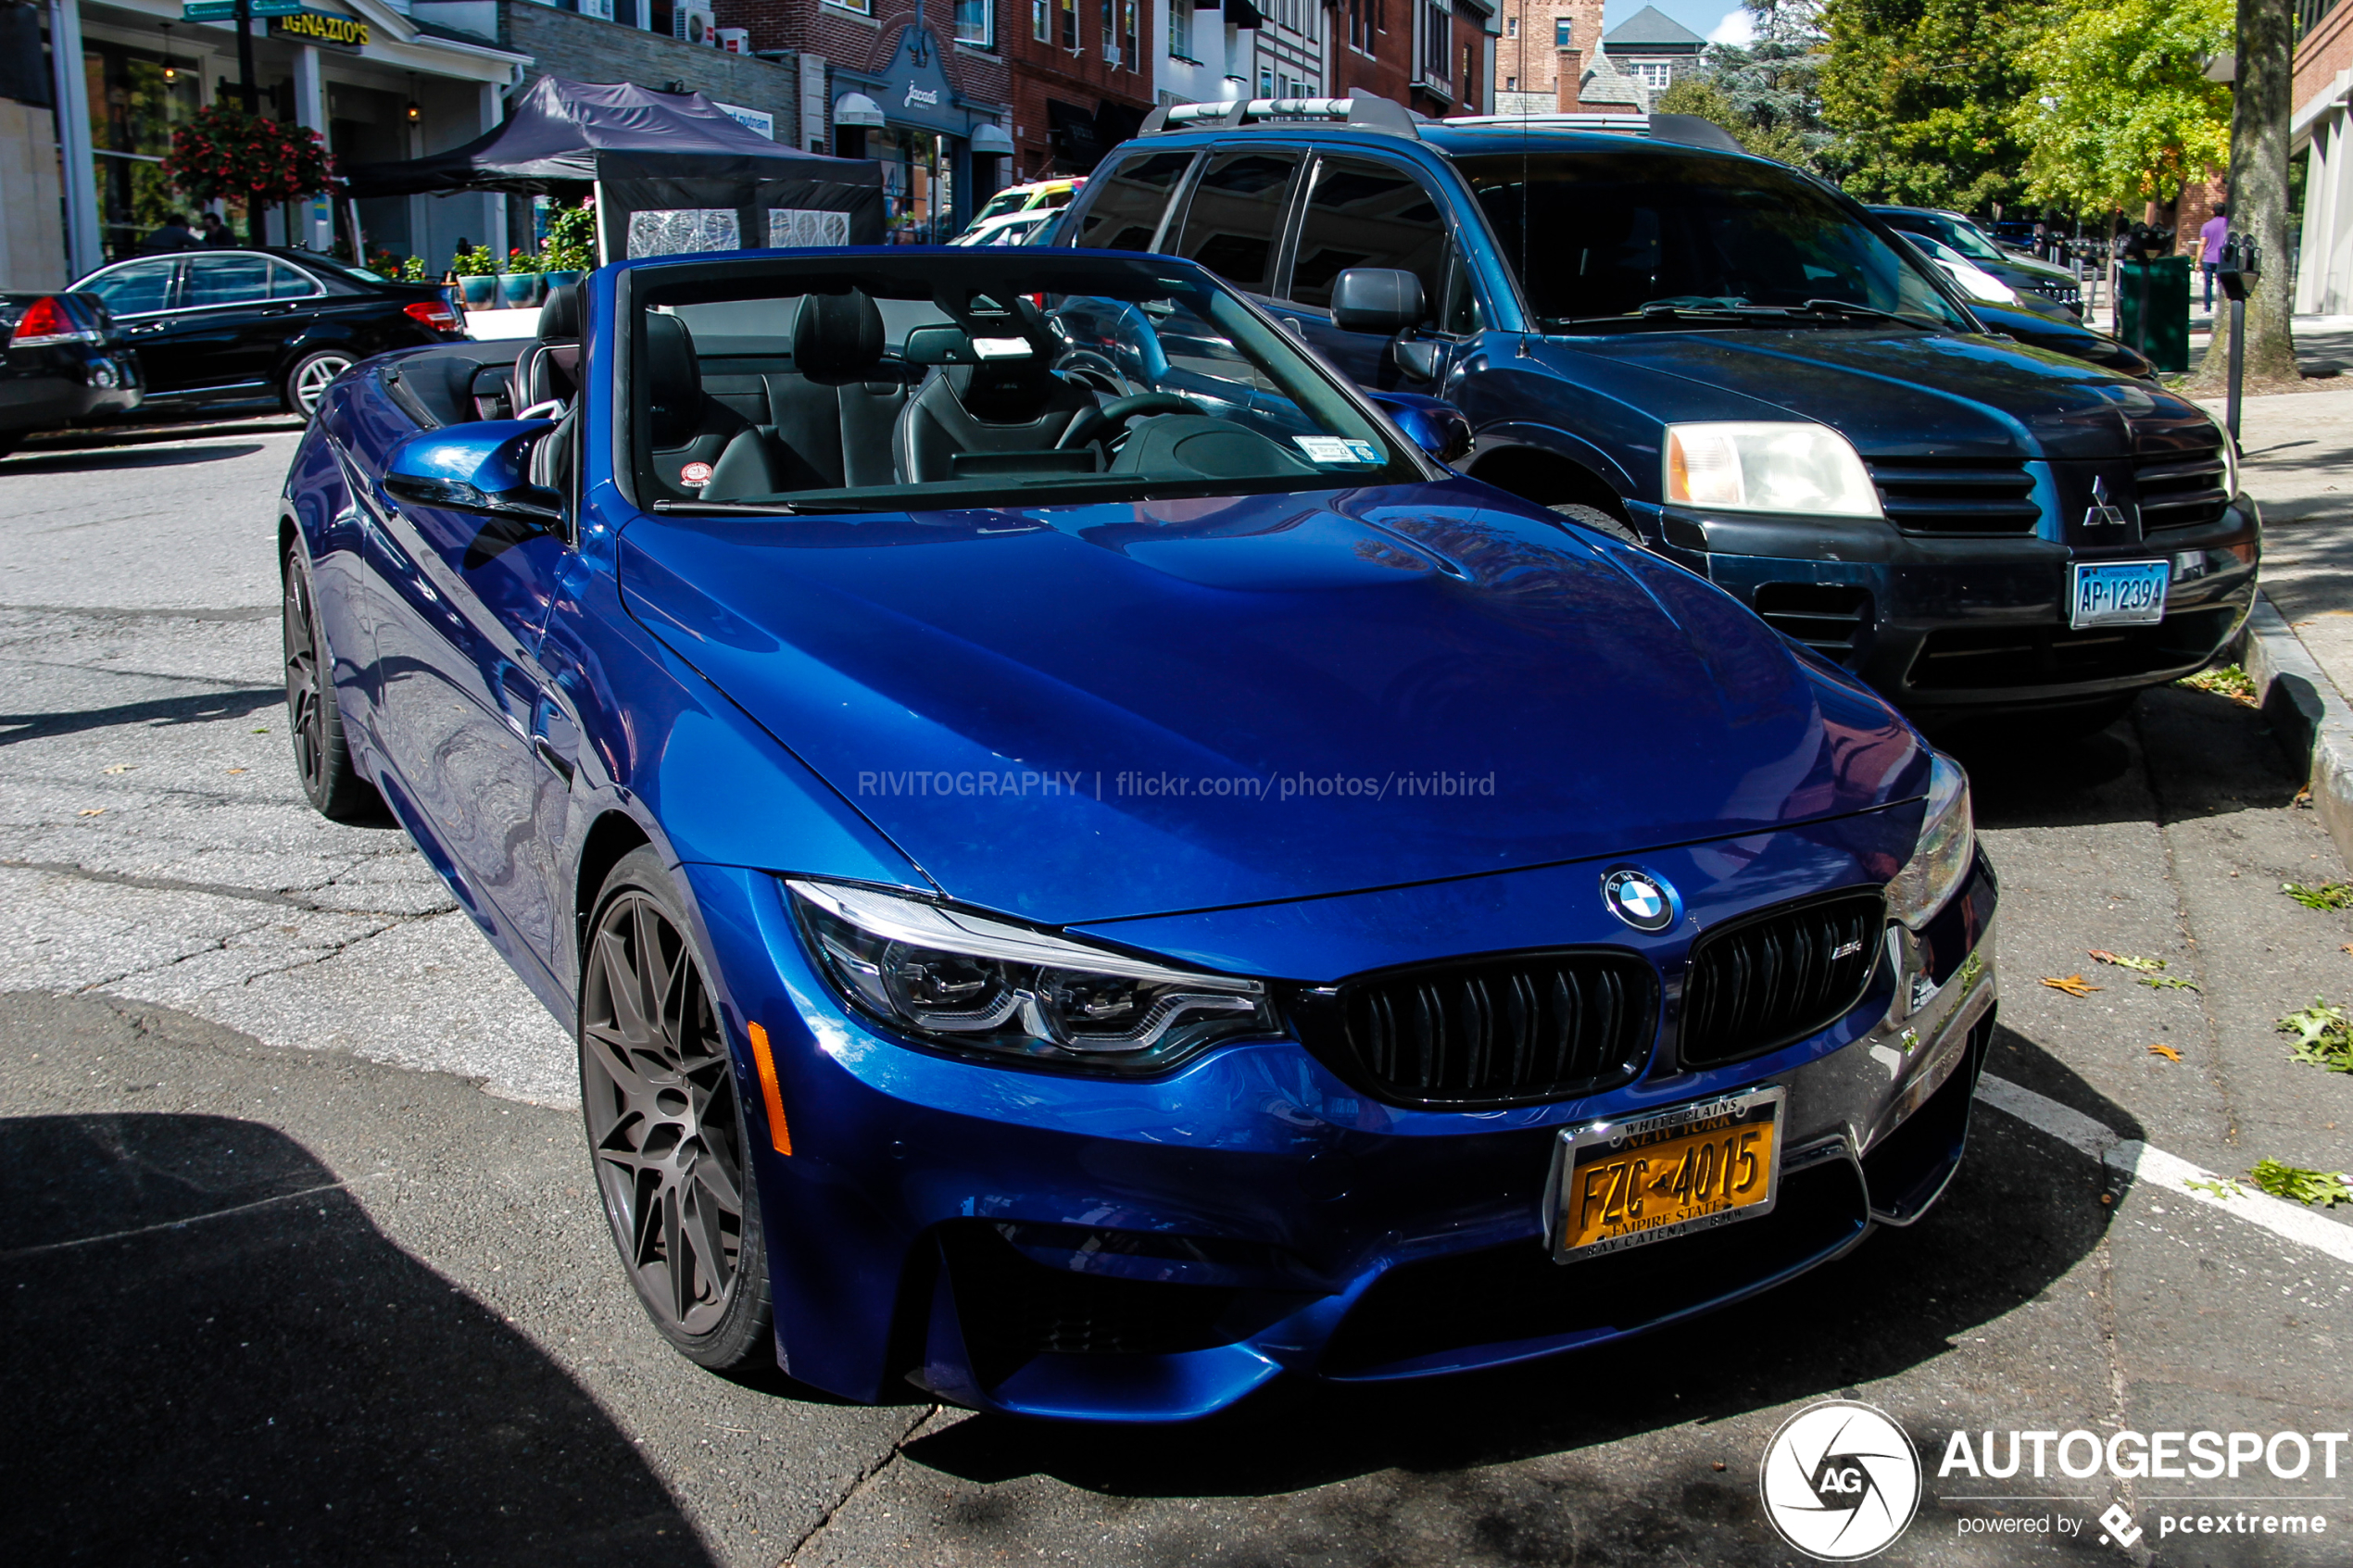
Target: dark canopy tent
{"points": [[648, 153]]}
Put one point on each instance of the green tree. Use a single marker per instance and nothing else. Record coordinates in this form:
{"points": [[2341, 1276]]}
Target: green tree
{"points": [[1919, 92], [2118, 110], [1769, 86]]}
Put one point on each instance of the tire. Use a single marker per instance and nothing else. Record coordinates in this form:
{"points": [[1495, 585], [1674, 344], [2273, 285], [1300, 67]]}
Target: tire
{"points": [[322, 757], [1599, 521], [308, 381], [667, 1131]]}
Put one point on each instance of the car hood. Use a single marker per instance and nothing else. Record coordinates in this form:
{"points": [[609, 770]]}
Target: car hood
{"points": [[1091, 711], [1898, 393]]}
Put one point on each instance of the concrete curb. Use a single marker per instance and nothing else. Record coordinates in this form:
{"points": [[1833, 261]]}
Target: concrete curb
{"points": [[2309, 714]]}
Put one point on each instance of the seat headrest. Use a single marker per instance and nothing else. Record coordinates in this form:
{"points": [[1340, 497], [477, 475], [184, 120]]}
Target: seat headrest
{"points": [[673, 377], [836, 335], [560, 318]]}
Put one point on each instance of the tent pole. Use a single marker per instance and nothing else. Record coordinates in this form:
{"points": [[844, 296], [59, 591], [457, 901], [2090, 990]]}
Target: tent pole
{"points": [[604, 250]]}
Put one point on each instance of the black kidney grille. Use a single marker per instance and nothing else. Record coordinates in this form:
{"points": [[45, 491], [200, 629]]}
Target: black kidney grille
{"points": [[2179, 489], [1767, 980], [1504, 1031], [1957, 495]]}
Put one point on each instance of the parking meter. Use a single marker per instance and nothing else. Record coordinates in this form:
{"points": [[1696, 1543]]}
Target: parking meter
{"points": [[2240, 265]]}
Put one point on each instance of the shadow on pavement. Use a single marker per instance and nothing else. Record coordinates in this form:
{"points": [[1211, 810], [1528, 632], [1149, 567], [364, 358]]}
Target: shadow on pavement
{"points": [[2023, 1212], [215, 1356], [120, 457], [168, 710]]}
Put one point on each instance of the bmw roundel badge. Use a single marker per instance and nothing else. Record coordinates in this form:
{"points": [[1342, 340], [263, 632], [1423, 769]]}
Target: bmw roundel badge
{"points": [[1640, 899]]}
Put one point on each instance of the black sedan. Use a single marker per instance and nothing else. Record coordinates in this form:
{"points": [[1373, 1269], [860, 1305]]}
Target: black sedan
{"points": [[2021, 272], [65, 363], [216, 326]]}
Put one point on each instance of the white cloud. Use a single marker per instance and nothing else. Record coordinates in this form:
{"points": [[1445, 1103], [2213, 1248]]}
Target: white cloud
{"points": [[1737, 27]]}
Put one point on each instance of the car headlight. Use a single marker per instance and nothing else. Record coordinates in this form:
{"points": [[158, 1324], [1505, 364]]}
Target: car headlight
{"points": [[1941, 859], [2229, 458], [1780, 467], [967, 982]]}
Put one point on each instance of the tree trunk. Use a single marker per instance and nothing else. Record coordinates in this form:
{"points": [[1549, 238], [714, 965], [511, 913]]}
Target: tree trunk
{"points": [[2259, 197]]}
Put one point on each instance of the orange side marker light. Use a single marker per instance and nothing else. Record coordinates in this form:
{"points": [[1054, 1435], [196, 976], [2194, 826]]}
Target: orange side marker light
{"points": [[778, 1134]]}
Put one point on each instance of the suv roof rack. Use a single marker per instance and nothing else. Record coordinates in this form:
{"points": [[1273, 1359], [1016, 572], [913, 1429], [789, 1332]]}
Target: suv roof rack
{"points": [[1686, 129], [1365, 110]]}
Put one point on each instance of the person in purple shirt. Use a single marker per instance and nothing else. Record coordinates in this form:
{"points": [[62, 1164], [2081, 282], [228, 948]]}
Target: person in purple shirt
{"points": [[2209, 247]]}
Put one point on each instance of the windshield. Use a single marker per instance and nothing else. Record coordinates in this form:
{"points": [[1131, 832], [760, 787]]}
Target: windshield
{"points": [[1003, 203], [1621, 240], [1965, 237], [986, 379]]}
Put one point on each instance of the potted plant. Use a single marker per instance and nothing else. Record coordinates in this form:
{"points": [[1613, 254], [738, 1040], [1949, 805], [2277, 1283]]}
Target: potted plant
{"points": [[571, 245], [477, 273], [520, 287]]}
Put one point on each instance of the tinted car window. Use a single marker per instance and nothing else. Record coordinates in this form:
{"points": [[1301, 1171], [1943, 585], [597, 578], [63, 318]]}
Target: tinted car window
{"points": [[1610, 233], [141, 287], [1128, 207], [226, 280], [286, 282], [1367, 214], [1230, 226]]}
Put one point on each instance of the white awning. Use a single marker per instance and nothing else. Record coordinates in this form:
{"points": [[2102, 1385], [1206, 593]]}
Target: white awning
{"points": [[991, 141], [856, 108]]}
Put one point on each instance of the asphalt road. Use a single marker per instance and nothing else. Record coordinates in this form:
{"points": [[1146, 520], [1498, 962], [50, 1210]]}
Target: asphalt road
{"points": [[300, 1264]]}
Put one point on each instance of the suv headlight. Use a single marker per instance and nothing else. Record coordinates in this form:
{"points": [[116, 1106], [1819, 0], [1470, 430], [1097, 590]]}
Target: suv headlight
{"points": [[967, 982], [1780, 467], [2229, 458], [1941, 859]]}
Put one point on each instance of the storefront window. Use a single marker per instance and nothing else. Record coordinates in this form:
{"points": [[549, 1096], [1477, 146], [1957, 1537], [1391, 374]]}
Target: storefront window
{"points": [[976, 23], [132, 111], [918, 195]]}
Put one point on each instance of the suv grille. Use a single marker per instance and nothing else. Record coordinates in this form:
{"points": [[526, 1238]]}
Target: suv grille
{"points": [[2064, 293], [2179, 489], [1491, 1032], [1768, 979], [1831, 617], [1963, 495]]}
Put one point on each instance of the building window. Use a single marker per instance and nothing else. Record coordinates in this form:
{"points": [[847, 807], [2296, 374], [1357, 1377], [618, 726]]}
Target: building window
{"points": [[132, 114], [1180, 29], [657, 10], [976, 23], [1653, 75], [1070, 25], [1561, 34], [1127, 38], [1438, 22], [1265, 82], [1041, 26], [1510, 26], [1511, 84]]}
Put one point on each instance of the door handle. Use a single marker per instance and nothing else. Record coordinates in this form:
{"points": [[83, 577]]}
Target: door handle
{"points": [[144, 327], [558, 764]]}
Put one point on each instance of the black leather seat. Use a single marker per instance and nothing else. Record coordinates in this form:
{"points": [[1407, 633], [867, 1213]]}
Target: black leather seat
{"points": [[1005, 405], [830, 417], [548, 367], [690, 428]]}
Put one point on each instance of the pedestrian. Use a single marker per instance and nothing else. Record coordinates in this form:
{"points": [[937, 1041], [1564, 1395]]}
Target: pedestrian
{"points": [[216, 233], [2210, 240], [174, 235]]}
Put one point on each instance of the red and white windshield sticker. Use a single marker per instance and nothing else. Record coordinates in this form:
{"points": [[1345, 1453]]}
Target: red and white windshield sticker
{"points": [[695, 474]]}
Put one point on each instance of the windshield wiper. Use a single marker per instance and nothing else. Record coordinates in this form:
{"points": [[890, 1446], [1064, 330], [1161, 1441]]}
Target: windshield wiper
{"points": [[723, 509]]}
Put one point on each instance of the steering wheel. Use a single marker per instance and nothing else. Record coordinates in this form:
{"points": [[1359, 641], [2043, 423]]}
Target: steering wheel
{"points": [[1099, 422]]}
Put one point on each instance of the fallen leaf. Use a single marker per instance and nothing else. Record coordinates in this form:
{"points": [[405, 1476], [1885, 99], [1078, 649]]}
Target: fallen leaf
{"points": [[236, 770], [95, 811], [2126, 961], [2168, 1052], [119, 768], [2345, 946], [2074, 985], [2102, 954]]}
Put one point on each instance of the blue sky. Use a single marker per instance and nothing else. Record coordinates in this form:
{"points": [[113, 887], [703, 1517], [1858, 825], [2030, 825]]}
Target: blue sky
{"points": [[1700, 16]]}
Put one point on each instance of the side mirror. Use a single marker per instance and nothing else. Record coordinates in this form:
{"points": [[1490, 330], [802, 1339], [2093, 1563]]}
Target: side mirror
{"points": [[1416, 358], [483, 468], [1437, 427], [1376, 299]]}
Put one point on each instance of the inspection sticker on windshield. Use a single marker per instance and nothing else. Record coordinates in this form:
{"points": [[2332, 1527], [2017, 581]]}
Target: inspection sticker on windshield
{"points": [[2125, 592], [1330, 449]]}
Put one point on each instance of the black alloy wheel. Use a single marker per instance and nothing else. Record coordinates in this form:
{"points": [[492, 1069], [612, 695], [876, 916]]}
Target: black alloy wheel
{"points": [[332, 782], [666, 1126]]}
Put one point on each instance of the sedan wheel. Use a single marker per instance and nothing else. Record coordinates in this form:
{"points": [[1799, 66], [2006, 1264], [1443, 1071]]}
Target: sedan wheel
{"points": [[307, 382], [666, 1126]]}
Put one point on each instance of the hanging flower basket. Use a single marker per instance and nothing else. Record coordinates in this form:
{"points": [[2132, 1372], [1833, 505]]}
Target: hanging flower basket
{"points": [[223, 154]]}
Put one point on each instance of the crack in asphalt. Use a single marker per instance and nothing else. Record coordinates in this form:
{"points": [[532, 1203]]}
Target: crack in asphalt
{"points": [[862, 1480], [222, 890]]}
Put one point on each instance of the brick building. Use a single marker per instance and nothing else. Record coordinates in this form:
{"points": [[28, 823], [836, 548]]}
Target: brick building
{"points": [[1436, 57], [1082, 80], [1529, 55], [2320, 128]]}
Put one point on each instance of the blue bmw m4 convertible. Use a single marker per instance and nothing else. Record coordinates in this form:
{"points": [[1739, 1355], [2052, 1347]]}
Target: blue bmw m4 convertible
{"points": [[1090, 871]]}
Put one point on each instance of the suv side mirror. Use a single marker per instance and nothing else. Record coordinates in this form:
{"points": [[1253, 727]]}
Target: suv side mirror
{"points": [[1376, 299], [483, 468]]}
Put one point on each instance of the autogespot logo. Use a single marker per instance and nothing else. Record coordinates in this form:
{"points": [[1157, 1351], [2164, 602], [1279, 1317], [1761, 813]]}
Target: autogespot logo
{"points": [[1840, 1481], [1640, 899]]}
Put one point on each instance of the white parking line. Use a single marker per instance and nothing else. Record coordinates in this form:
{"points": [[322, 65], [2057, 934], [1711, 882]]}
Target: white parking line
{"points": [[2170, 1171]]}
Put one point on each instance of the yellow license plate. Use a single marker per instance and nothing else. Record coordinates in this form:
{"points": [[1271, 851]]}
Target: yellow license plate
{"points": [[1616, 1184]]}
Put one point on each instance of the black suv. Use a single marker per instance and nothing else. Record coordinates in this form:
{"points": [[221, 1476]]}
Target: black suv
{"points": [[1739, 366]]}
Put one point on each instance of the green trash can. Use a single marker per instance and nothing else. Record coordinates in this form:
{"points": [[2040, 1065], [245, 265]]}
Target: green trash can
{"points": [[2153, 298]]}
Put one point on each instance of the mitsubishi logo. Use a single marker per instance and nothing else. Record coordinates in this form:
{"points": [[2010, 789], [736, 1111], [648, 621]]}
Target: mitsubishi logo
{"points": [[2102, 514]]}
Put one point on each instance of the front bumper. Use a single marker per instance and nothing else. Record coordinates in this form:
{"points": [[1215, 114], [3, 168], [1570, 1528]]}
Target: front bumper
{"points": [[1965, 622], [1156, 1250]]}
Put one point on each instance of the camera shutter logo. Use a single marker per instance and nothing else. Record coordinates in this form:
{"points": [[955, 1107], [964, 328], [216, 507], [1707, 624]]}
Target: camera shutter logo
{"points": [[1840, 1481]]}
